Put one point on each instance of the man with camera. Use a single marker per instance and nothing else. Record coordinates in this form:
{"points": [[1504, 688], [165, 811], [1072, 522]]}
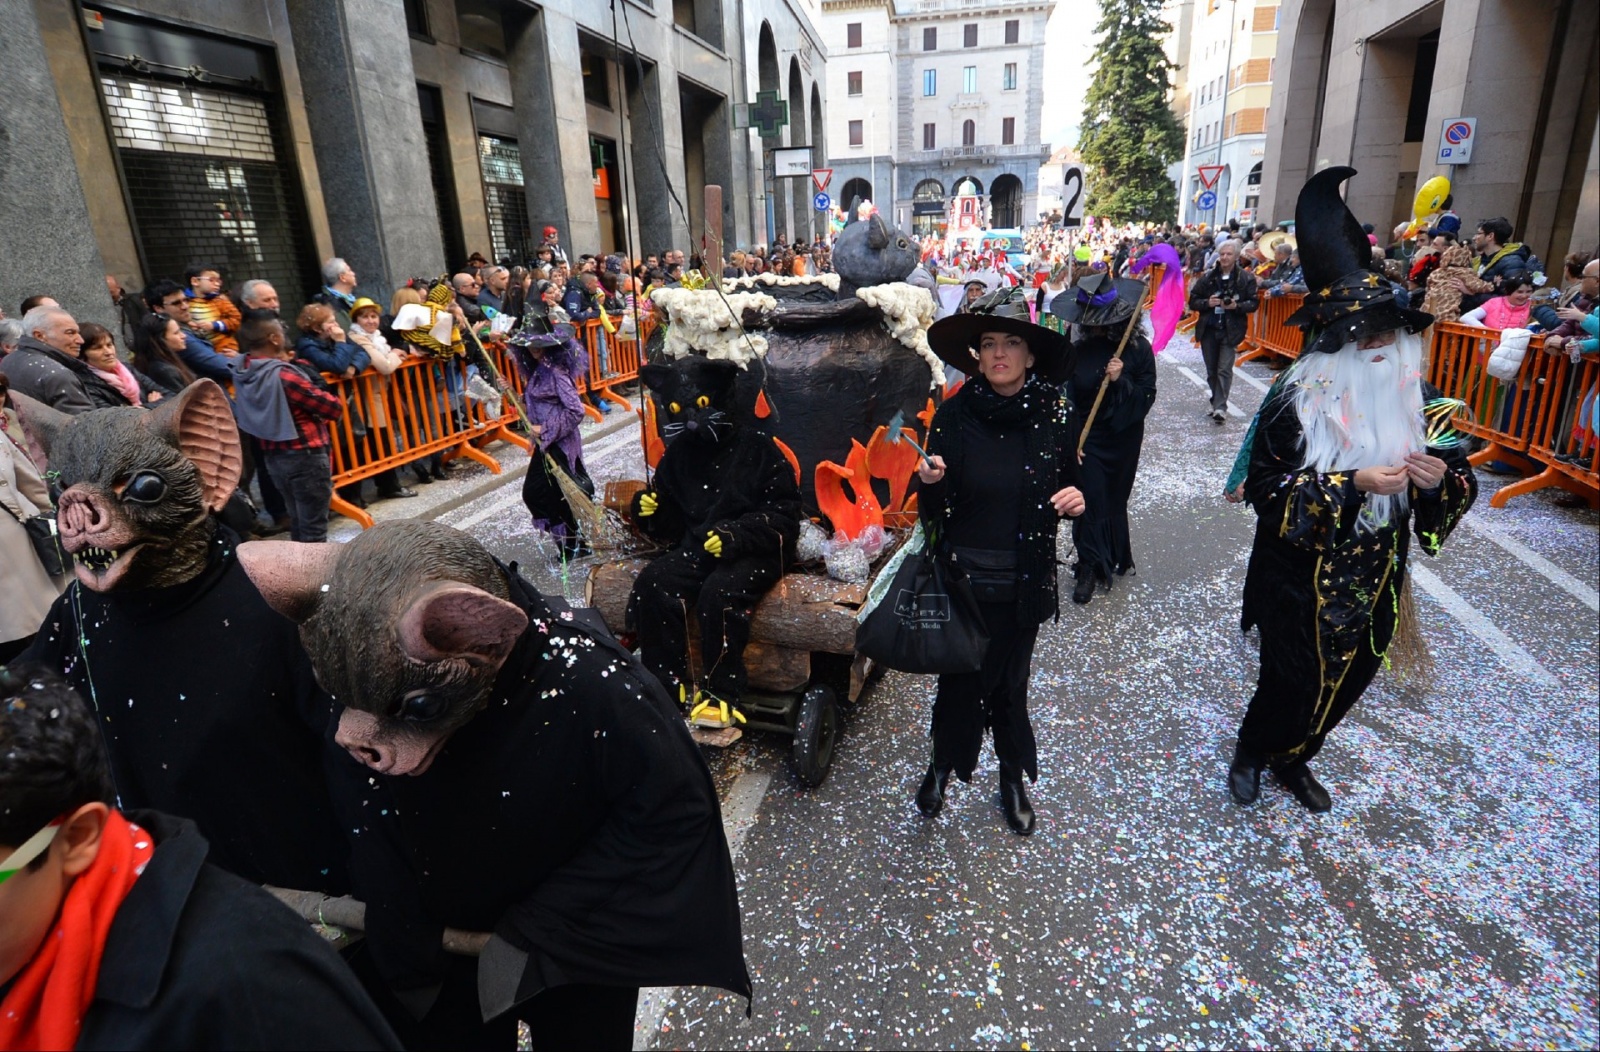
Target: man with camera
{"points": [[1224, 297]]}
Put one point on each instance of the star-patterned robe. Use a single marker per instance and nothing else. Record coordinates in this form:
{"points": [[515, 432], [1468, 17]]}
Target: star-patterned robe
{"points": [[1325, 595]]}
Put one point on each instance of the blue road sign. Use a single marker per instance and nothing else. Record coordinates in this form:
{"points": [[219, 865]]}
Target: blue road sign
{"points": [[822, 202], [1208, 201]]}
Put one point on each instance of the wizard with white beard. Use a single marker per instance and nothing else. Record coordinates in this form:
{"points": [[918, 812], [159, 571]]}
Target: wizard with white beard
{"points": [[1341, 473]]}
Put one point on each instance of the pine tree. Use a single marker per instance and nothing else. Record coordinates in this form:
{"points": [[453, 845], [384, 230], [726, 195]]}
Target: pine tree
{"points": [[1129, 134]]}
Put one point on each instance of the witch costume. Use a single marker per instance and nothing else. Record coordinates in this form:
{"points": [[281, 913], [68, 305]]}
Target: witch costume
{"points": [[553, 363], [1005, 456], [1327, 574], [1101, 307]]}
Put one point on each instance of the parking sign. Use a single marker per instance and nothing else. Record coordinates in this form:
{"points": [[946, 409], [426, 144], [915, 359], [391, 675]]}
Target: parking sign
{"points": [[1456, 138]]}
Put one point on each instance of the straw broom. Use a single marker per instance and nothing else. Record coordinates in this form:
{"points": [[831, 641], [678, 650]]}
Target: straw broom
{"points": [[1105, 381], [590, 515]]}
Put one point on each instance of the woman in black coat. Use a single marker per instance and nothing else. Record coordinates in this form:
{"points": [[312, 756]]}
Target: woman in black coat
{"points": [[998, 477], [1111, 451]]}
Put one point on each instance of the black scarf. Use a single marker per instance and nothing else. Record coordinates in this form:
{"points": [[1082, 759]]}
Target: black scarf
{"points": [[1037, 408]]}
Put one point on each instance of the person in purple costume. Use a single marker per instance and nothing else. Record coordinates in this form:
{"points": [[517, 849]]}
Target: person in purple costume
{"points": [[553, 363]]}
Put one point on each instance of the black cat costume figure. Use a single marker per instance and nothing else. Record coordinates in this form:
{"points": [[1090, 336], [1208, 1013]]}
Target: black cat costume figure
{"points": [[728, 500]]}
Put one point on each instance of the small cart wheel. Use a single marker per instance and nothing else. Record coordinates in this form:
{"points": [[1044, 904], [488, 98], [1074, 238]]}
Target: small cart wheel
{"points": [[815, 734]]}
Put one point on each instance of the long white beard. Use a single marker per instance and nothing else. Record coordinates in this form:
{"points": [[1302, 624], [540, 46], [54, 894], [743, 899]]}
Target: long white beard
{"points": [[1357, 413]]}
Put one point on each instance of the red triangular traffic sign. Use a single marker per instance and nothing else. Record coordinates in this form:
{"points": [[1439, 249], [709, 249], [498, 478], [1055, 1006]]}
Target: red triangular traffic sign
{"points": [[821, 176], [1209, 174]]}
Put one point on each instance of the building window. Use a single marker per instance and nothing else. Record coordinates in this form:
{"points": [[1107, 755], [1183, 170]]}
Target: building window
{"points": [[969, 35], [856, 134], [854, 80], [478, 22], [1008, 77], [930, 83], [852, 34], [930, 38], [969, 133], [417, 19], [969, 79], [596, 79], [1008, 131], [504, 202], [930, 137], [1013, 30]]}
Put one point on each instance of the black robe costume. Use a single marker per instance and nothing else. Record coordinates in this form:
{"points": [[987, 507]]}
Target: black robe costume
{"points": [[1004, 459], [197, 958], [1111, 454], [209, 709], [574, 818], [1325, 596], [745, 489]]}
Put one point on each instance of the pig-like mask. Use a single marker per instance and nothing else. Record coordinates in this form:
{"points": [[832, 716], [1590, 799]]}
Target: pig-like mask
{"points": [[138, 487], [407, 626]]}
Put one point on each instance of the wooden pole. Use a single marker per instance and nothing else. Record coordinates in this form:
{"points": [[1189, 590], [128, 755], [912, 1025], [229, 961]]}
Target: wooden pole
{"points": [[1105, 381], [712, 248]]}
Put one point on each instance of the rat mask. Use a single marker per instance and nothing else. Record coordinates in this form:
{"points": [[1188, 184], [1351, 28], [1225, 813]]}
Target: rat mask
{"points": [[138, 487], [407, 626]]}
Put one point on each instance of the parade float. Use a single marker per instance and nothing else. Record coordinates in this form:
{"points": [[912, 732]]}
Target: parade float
{"points": [[827, 365]]}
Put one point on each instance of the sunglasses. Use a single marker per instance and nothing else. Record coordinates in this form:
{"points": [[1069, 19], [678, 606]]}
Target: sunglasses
{"points": [[31, 849]]}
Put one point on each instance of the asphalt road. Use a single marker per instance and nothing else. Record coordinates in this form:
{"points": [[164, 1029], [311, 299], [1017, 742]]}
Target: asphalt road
{"points": [[1451, 898]]}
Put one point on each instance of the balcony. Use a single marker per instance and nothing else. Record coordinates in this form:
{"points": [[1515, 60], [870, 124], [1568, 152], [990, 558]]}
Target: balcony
{"points": [[991, 153]]}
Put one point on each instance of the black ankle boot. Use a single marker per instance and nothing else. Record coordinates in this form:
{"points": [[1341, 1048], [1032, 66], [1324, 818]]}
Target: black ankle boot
{"points": [[1014, 800], [1298, 780], [1084, 590], [930, 795], [1244, 776]]}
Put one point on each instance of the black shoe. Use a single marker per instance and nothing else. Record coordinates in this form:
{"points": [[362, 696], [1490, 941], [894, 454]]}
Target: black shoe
{"points": [[1298, 780], [393, 494], [1084, 591], [1014, 801], [930, 795], [422, 477], [1244, 776]]}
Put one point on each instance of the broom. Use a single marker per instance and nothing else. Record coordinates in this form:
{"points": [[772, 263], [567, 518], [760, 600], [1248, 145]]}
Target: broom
{"points": [[590, 515]]}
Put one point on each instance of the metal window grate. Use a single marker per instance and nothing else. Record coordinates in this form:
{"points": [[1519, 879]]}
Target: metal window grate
{"points": [[510, 230], [206, 184]]}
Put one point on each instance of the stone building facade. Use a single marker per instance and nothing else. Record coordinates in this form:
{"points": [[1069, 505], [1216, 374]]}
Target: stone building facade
{"points": [[1373, 86], [266, 135], [1225, 83], [931, 98]]}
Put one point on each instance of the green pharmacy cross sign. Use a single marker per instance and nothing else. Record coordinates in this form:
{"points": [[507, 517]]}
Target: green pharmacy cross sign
{"points": [[768, 114]]}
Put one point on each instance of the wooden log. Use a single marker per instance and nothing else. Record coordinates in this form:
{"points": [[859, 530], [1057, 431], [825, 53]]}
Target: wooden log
{"points": [[351, 915], [806, 612], [770, 667]]}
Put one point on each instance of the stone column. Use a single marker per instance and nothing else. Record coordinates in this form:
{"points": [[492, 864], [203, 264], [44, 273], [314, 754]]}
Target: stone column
{"points": [[1492, 57], [654, 148], [354, 58], [50, 246], [557, 173]]}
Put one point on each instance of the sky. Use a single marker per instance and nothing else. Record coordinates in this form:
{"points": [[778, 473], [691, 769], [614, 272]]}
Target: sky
{"points": [[1068, 51]]}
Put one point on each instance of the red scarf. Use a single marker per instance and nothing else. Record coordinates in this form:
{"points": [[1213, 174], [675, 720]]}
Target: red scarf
{"points": [[47, 1002]]}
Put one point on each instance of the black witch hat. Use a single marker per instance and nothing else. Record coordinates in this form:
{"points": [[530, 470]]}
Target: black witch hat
{"points": [[955, 339], [1348, 300]]}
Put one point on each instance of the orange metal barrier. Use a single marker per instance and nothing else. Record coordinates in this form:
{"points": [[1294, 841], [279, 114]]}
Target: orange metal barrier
{"points": [[396, 419], [1267, 333], [1529, 422]]}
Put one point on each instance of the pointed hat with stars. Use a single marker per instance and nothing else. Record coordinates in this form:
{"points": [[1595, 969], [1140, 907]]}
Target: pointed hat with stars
{"points": [[1348, 300]]}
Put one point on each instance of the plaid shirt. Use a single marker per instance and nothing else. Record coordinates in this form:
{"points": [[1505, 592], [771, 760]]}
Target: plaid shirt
{"points": [[312, 406]]}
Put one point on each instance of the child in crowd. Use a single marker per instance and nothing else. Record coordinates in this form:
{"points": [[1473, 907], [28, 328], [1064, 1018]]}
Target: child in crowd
{"points": [[212, 315], [1510, 310], [114, 930]]}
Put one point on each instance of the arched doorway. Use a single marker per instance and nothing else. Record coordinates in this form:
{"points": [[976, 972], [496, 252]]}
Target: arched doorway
{"points": [[927, 209], [967, 186], [1005, 200], [853, 189], [767, 80], [799, 189]]}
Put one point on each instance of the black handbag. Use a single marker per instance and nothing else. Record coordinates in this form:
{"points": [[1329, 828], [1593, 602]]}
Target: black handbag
{"points": [[928, 622], [57, 562]]}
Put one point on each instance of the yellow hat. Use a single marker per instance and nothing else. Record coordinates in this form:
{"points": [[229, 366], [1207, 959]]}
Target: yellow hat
{"points": [[362, 304]]}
